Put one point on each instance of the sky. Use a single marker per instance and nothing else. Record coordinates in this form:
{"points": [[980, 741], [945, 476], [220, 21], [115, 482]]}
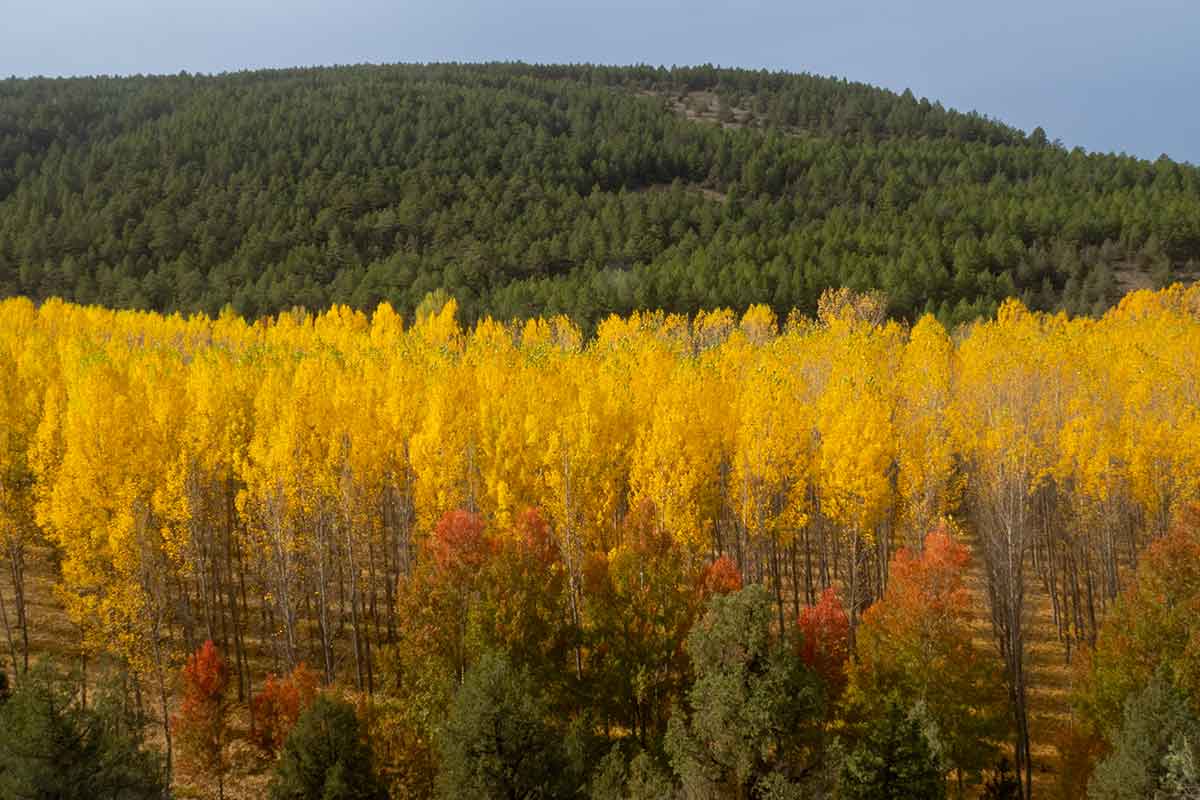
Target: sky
{"points": [[1105, 75]]}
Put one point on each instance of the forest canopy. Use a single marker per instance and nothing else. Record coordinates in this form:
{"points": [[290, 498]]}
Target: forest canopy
{"points": [[393, 505], [536, 190]]}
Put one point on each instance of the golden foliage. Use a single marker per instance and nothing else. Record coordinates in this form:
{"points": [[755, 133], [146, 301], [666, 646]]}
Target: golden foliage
{"points": [[121, 431]]}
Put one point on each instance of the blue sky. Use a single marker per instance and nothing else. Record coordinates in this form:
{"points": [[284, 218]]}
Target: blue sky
{"points": [[1110, 75]]}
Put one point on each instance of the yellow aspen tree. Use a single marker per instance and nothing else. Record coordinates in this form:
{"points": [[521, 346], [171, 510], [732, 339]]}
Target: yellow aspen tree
{"points": [[925, 479], [402, 371], [584, 441], [98, 511], [856, 453], [360, 457], [442, 451], [677, 458], [199, 498], [597, 442], [309, 479], [1162, 405], [1003, 421], [510, 410], [712, 328], [350, 458], [267, 501], [1092, 485], [22, 391], [772, 456]]}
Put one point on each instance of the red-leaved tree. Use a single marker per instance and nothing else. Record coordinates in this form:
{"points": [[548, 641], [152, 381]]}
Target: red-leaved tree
{"points": [[202, 724], [280, 703], [460, 544], [721, 577], [825, 640]]}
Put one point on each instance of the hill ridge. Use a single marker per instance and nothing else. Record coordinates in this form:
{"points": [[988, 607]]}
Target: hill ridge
{"points": [[515, 187]]}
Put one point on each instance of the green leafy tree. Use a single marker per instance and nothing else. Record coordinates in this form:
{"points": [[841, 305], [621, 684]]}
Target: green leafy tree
{"points": [[643, 600], [326, 757], [620, 778], [1182, 778], [524, 607]]}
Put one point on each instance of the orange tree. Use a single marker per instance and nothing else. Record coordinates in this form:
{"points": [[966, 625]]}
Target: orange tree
{"points": [[915, 644], [202, 724], [1151, 627]]}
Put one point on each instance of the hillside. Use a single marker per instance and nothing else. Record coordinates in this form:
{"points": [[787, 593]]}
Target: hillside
{"points": [[527, 190]]}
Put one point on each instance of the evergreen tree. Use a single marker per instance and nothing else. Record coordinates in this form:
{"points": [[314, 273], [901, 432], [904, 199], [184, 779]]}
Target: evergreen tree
{"points": [[894, 761], [1155, 720], [752, 706], [497, 742], [619, 778], [326, 757], [884, 191], [53, 748]]}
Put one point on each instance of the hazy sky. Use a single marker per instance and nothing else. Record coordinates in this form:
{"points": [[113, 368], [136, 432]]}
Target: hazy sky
{"points": [[1103, 74]]}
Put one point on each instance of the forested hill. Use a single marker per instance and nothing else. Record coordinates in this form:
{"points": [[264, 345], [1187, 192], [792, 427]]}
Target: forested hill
{"points": [[530, 190]]}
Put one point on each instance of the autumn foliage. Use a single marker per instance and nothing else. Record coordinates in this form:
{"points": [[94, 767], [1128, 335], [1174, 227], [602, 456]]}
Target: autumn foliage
{"points": [[916, 644], [825, 640], [387, 500], [1152, 627], [459, 545], [202, 726], [278, 705], [721, 577]]}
